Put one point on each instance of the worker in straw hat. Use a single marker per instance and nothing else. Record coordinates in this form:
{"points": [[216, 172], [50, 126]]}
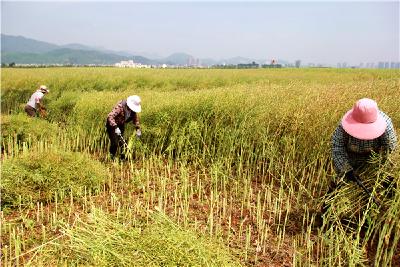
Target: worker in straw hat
{"points": [[123, 112], [35, 103]]}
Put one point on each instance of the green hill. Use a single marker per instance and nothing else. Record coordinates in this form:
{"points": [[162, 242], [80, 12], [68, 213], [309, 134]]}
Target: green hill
{"points": [[62, 56], [20, 44], [23, 50]]}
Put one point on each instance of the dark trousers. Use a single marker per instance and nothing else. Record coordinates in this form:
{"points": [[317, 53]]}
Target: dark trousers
{"points": [[30, 111], [115, 140]]}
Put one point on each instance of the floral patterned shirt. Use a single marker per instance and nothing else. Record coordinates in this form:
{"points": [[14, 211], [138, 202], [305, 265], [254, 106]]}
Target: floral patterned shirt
{"points": [[122, 114]]}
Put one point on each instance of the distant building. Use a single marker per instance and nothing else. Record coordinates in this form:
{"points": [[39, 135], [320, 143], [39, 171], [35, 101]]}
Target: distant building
{"points": [[297, 63], [370, 65], [130, 64], [192, 62], [253, 65], [224, 66], [271, 66]]}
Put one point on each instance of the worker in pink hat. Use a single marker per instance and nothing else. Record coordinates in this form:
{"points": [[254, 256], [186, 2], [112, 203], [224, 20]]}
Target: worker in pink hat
{"points": [[124, 111], [363, 129]]}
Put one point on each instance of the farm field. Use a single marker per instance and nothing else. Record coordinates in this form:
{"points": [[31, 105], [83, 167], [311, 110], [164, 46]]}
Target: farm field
{"points": [[231, 170]]}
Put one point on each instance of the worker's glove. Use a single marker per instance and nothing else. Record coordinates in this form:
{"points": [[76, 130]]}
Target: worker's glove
{"points": [[117, 131], [350, 176], [138, 133]]}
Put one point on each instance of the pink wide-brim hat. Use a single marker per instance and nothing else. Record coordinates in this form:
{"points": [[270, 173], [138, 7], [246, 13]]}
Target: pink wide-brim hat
{"points": [[364, 121]]}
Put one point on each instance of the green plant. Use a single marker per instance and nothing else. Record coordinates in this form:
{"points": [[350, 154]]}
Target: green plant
{"points": [[40, 176]]}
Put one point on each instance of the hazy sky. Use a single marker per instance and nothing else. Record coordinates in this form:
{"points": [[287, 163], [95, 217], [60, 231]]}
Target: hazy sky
{"points": [[319, 32]]}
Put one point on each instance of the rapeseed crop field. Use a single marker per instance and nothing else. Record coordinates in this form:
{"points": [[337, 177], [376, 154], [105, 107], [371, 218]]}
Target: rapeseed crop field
{"points": [[232, 169]]}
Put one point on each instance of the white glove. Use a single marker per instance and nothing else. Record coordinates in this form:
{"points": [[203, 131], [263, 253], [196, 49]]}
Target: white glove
{"points": [[138, 133], [117, 131]]}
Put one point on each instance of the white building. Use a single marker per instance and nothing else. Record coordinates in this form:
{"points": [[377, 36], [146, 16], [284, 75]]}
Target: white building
{"points": [[130, 64]]}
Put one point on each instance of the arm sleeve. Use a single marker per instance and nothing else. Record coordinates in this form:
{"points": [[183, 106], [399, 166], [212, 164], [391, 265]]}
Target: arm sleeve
{"points": [[340, 157], [136, 121], [113, 114], [389, 138]]}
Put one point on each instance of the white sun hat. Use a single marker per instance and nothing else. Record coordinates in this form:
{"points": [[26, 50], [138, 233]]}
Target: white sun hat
{"points": [[134, 103], [44, 89]]}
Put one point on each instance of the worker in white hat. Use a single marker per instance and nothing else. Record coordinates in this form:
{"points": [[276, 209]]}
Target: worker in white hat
{"points": [[35, 103], [123, 112]]}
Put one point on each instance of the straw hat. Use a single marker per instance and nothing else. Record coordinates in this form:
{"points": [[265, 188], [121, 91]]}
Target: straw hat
{"points": [[43, 88], [364, 120], [134, 103]]}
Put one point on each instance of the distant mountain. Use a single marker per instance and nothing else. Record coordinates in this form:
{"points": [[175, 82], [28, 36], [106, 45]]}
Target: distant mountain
{"points": [[179, 59], [99, 49], [154, 56], [21, 44], [78, 47], [238, 60], [62, 56], [120, 53], [186, 59], [144, 60], [244, 60], [208, 61], [23, 50]]}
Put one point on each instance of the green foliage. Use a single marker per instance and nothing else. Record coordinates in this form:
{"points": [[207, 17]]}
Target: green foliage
{"points": [[14, 99], [18, 129], [40, 176], [62, 56], [354, 218], [103, 240], [62, 108], [243, 154]]}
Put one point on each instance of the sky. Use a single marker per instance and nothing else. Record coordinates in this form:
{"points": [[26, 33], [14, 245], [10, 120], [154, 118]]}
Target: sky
{"points": [[315, 31]]}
